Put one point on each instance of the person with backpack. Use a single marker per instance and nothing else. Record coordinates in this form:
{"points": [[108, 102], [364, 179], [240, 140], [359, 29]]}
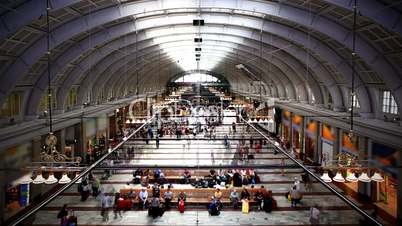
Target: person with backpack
{"points": [[295, 196]]}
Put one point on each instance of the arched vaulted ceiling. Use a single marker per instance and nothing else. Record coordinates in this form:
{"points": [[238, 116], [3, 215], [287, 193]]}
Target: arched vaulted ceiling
{"points": [[107, 48]]}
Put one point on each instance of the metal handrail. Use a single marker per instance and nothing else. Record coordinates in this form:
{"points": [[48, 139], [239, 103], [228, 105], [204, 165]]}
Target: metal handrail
{"points": [[341, 196], [82, 174]]}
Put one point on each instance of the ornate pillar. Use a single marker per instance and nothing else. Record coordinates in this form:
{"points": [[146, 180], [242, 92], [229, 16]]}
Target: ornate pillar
{"points": [[399, 196], [318, 147], [291, 130], [363, 188], [337, 143], [302, 138]]}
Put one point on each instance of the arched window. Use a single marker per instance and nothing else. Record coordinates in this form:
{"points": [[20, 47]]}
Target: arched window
{"points": [[388, 103], [194, 78]]}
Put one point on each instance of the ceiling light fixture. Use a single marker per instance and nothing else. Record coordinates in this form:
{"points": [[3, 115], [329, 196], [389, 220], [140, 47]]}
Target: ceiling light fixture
{"points": [[364, 178], [339, 178], [377, 177], [325, 177], [352, 178]]}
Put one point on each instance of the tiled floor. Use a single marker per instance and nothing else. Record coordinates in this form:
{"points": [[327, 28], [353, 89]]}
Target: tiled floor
{"points": [[206, 153], [191, 217]]}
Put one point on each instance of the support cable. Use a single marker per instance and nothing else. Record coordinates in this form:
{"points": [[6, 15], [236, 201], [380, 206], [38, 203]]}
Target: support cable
{"points": [[49, 89], [353, 67]]}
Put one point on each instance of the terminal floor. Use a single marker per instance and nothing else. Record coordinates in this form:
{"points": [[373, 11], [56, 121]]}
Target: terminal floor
{"points": [[205, 153]]}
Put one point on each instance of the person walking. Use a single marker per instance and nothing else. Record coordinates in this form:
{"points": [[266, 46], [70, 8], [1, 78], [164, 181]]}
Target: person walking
{"points": [[62, 214], [117, 205], [95, 186], [157, 141], [106, 204], [314, 215], [295, 196]]}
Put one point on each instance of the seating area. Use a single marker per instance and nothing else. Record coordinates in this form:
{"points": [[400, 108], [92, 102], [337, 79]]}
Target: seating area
{"points": [[195, 197]]}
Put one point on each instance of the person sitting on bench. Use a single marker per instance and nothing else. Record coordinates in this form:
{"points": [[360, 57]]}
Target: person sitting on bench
{"points": [[181, 196], [143, 196], [137, 176], [186, 177], [234, 198]]}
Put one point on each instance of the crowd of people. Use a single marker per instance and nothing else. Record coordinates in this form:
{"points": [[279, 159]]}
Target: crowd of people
{"points": [[158, 202]]}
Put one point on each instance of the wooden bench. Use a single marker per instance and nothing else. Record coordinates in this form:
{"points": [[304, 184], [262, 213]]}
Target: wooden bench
{"points": [[195, 195]]}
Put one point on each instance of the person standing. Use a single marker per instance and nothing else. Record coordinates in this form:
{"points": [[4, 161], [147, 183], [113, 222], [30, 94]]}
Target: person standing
{"points": [[95, 186], [157, 141], [105, 203], [143, 195], [62, 213], [234, 198], [168, 196], [314, 215]]}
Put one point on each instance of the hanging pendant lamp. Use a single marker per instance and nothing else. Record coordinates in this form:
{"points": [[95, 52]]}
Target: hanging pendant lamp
{"points": [[51, 179], [339, 178], [364, 178], [39, 179], [352, 178], [325, 177], [377, 177], [79, 180], [64, 179]]}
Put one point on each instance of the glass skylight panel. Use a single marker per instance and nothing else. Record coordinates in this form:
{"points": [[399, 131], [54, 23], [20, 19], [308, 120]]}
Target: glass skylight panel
{"points": [[197, 77]]}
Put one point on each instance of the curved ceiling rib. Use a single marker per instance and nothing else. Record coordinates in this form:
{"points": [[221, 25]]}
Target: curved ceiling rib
{"points": [[278, 55], [246, 34], [279, 77], [241, 18], [96, 21], [29, 11], [181, 50]]}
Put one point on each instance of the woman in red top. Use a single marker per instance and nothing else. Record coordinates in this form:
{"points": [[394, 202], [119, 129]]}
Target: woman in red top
{"points": [[258, 148]]}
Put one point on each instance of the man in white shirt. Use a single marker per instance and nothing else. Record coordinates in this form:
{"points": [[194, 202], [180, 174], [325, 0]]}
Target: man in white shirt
{"points": [[143, 198]]}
